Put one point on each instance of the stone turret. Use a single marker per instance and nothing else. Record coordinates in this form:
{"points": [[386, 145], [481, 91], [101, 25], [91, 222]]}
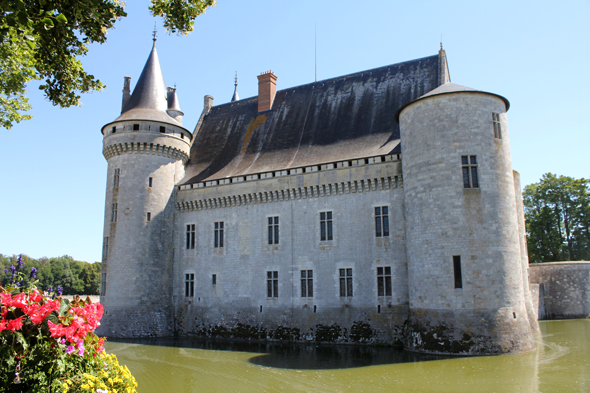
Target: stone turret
{"points": [[465, 268], [146, 149]]}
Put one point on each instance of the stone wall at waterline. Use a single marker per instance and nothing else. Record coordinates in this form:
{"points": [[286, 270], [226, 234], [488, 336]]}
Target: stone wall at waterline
{"points": [[563, 289]]}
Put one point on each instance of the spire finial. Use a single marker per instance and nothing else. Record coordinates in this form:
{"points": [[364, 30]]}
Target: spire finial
{"points": [[235, 96], [155, 32]]}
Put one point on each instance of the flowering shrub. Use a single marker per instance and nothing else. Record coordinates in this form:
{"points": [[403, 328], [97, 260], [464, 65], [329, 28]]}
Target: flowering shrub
{"points": [[47, 343]]}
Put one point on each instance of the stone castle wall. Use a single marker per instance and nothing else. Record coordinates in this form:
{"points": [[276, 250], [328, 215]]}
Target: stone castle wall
{"points": [[562, 289], [479, 225], [239, 294]]}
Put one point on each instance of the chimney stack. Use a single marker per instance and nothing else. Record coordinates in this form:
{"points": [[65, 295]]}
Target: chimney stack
{"points": [[208, 104], [267, 87], [126, 92]]}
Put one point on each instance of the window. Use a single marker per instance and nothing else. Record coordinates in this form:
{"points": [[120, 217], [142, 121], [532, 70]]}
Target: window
{"points": [[189, 285], [469, 165], [384, 281], [345, 282], [190, 236], [273, 230], [135, 127], [381, 221], [497, 127], [114, 129], [116, 177], [457, 270], [103, 285], [114, 213], [105, 247], [326, 232], [218, 234], [214, 279], [149, 217], [272, 284], [162, 129], [150, 182], [307, 283]]}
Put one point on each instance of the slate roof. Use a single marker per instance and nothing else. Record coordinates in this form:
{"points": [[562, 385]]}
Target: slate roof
{"points": [[148, 101], [337, 119], [449, 88]]}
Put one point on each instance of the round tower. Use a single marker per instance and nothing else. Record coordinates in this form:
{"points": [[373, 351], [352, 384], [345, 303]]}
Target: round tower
{"points": [[146, 150], [466, 289]]}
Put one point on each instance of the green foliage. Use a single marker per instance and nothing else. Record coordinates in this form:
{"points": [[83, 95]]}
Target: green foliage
{"points": [[557, 213], [44, 40], [75, 277], [179, 15]]}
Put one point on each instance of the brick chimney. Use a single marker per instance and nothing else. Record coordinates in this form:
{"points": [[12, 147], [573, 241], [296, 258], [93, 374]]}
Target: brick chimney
{"points": [[267, 87]]}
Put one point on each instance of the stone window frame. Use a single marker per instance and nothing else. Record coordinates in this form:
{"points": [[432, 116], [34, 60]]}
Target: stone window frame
{"points": [[497, 125], [381, 214], [103, 284], [384, 287], [114, 212], [116, 177], [326, 225], [273, 230], [272, 284], [469, 169], [191, 236], [105, 247], [306, 283], [218, 234], [189, 285], [346, 283]]}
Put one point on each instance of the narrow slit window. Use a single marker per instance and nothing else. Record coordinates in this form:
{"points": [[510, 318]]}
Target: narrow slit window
{"points": [[214, 279], [149, 217], [150, 182], [457, 271], [114, 213]]}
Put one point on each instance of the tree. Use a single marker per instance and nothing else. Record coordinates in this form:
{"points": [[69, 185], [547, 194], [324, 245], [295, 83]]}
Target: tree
{"points": [[44, 40], [557, 213]]}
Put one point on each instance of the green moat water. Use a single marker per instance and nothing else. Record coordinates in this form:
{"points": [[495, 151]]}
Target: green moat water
{"points": [[561, 363]]}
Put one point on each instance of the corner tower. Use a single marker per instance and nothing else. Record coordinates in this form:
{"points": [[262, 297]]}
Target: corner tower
{"points": [[146, 150], [466, 287]]}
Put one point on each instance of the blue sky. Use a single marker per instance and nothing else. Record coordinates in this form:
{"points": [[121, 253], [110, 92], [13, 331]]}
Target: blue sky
{"points": [[535, 53]]}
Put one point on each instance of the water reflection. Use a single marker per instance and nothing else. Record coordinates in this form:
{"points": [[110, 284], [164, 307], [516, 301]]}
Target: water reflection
{"points": [[560, 364], [296, 356]]}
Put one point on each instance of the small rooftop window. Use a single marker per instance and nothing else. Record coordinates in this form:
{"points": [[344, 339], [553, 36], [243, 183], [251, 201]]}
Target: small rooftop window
{"points": [[162, 129], [135, 127]]}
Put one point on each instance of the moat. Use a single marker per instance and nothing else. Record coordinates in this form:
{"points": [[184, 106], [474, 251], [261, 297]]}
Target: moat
{"points": [[561, 363]]}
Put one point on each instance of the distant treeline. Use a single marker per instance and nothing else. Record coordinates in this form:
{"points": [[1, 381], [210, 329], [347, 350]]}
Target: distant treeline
{"points": [[76, 277]]}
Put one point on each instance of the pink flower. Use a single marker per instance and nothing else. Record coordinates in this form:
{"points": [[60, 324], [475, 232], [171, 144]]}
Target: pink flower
{"points": [[70, 349], [15, 324]]}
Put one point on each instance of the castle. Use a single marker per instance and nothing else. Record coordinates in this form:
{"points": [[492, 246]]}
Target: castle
{"points": [[385, 197]]}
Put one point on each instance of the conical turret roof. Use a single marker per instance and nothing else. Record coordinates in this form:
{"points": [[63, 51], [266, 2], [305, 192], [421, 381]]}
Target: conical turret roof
{"points": [[148, 101]]}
